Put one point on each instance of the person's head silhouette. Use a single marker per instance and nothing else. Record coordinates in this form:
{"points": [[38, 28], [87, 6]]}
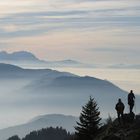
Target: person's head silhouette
{"points": [[119, 100], [131, 91]]}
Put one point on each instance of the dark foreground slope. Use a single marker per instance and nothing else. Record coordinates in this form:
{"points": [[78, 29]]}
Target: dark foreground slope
{"points": [[115, 131]]}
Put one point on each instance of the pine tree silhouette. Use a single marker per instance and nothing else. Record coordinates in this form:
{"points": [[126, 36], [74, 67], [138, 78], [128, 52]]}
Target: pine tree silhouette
{"points": [[14, 138], [88, 126]]}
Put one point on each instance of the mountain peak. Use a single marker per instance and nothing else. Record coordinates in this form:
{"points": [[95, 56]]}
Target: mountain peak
{"points": [[24, 55], [18, 56]]}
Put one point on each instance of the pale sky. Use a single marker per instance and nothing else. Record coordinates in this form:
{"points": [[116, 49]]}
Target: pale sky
{"points": [[91, 31]]}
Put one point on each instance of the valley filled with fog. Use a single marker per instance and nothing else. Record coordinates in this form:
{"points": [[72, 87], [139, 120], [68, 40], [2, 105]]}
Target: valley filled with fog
{"points": [[27, 93]]}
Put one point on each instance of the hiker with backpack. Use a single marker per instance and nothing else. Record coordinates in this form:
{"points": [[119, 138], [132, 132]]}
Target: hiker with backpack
{"points": [[120, 109]]}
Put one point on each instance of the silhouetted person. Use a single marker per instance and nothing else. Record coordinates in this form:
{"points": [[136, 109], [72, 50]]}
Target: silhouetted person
{"points": [[131, 100], [120, 108]]}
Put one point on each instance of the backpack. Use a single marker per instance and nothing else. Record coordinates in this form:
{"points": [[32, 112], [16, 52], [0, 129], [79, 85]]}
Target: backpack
{"points": [[120, 107]]}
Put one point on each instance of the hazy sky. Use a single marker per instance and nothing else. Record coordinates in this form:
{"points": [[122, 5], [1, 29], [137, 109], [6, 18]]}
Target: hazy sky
{"points": [[92, 31]]}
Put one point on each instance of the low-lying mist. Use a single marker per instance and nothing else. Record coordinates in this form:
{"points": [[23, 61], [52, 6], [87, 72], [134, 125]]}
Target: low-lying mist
{"points": [[28, 93]]}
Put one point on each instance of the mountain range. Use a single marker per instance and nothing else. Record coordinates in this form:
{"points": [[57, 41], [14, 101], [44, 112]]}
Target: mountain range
{"points": [[17, 56], [44, 121], [51, 90], [13, 71], [27, 59], [44, 85]]}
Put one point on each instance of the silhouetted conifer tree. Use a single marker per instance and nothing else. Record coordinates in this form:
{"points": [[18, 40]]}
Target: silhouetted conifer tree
{"points": [[88, 126], [50, 133], [14, 138]]}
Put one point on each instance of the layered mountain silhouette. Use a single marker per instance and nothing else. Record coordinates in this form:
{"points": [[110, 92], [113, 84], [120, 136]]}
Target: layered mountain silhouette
{"points": [[61, 87], [75, 89], [39, 122], [12, 71], [17, 56], [64, 91], [27, 59]]}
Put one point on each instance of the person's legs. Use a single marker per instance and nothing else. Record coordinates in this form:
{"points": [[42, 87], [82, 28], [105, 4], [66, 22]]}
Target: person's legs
{"points": [[119, 117], [122, 117], [131, 107]]}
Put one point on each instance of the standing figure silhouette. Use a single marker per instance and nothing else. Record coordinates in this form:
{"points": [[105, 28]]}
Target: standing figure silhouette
{"points": [[131, 100], [120, 109]]}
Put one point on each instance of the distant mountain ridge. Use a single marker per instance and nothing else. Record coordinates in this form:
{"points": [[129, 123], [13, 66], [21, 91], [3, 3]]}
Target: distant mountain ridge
{"points": [[13, 71], [50, 120], [18, 56], [27, 59], [8, 67]]}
